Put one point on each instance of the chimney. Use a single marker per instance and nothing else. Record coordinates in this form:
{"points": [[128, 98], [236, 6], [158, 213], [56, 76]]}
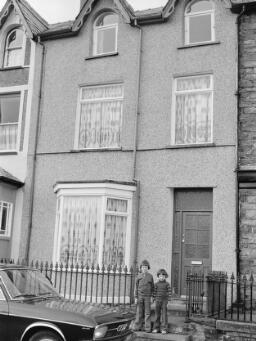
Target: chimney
{"points": [[82, 2]]}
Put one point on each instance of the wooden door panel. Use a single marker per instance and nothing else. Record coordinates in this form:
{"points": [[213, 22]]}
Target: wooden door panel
{"points": [[196, 244]]}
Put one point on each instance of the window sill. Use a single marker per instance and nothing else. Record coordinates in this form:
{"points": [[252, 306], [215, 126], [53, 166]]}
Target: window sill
{"points": [[8, 68], [102, 55], [5, 237], [201, 145], [187, 46], [95, 150], [3, 152]]}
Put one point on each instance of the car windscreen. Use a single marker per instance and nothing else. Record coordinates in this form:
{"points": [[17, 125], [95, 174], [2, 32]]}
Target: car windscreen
{"points": [[27, 283]]}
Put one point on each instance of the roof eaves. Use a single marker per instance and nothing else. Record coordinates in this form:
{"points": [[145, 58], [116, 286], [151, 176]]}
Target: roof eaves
{"points": [[237, 5], [9, 178]]}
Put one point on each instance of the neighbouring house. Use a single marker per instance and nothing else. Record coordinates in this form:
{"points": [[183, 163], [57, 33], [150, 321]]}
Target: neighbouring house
{"points": [[136, 147], [19, 25], [246, 134]]}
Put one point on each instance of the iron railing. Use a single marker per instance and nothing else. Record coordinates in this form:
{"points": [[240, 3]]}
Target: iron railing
{"points": [[221, 296], [112, 285]]}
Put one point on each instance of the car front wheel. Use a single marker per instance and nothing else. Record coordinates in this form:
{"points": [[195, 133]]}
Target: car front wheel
{"points": [[45, 336]]}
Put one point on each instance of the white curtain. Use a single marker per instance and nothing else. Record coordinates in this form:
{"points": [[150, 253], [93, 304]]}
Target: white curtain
{"points": [[193, 111], [80, 229], [101, 117], [8, 136], [115, 232]]}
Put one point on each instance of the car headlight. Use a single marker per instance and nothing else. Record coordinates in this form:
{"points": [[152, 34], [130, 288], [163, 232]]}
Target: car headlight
{"points": [[100, 332]]}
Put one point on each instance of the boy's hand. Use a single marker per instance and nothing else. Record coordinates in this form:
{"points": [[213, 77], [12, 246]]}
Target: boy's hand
{"points": [[135, 300]]}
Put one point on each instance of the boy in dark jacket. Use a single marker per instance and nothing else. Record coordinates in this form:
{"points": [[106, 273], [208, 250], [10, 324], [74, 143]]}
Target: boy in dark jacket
{"points": [[162, 294], [144, 288]]}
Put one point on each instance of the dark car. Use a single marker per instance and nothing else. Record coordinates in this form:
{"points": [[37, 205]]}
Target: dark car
{"points": [[32, 310]]}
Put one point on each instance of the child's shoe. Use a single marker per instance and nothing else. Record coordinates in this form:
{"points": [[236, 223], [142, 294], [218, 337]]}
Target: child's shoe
{"points": [[164, 331], [155, 331]]}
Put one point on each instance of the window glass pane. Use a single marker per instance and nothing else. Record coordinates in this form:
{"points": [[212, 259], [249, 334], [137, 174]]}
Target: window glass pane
{"points": [[117, 205], [194, 83], [107, 19], [114, 240], [200, 28], [101, 117], [80, 229], [106, 40], [4, 217], [9, 108], [15, 39], [200, 6], [193, 118]]}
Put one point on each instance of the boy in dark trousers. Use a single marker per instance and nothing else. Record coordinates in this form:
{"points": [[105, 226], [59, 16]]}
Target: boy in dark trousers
{"points": [[162, 294], [144, 288]]}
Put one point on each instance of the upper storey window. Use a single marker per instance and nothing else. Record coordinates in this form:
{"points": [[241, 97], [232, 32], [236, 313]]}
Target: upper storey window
{"points": [[105, 34], [14, 48], [199, 22]]}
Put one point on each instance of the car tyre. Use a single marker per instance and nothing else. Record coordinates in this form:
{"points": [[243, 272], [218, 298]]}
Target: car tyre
{"points": [[45, 336]]}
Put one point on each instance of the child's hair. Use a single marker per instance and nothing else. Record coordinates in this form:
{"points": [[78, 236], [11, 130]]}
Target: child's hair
{"points": [[162, 272], [145, 263]]}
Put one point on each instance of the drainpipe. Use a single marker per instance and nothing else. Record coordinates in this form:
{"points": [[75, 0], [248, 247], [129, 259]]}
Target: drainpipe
{"points": [[237, 182], [136, 124], [32, 189]]}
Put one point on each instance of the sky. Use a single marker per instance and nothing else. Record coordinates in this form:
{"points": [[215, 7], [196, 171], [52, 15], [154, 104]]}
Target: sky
{"points": [[61, 10]]}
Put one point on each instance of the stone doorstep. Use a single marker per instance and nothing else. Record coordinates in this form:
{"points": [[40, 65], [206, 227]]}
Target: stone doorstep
{"points": [[141, 336]]}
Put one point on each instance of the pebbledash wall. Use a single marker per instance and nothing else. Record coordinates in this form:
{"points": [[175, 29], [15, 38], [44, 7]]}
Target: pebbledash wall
{"points": [[161, 169]]}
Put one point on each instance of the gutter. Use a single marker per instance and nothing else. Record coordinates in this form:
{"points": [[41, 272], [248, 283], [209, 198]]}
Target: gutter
{"points": [[237, 156], [32, 189]]}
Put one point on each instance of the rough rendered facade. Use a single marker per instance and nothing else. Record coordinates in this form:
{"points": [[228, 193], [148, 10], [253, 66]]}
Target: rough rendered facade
{"points": [[136, 146]]}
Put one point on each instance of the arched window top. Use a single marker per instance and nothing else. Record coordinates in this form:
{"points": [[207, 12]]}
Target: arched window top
{"points": [[199, 22], [106, 19], [105, 33], [199, 6], [14, 47]]}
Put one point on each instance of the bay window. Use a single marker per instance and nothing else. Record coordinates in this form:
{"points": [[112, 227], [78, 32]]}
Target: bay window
{"points": [[100, 116], [93, 224], [9, 121], [5, 219], [193, 108]]}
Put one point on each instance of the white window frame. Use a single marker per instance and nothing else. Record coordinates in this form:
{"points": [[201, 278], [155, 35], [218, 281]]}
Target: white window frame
{"points": [[9, 205], [97, 29], [198, 14], [9, 91], [104, 191], [173, 116], [80, 101], [22, 48]]}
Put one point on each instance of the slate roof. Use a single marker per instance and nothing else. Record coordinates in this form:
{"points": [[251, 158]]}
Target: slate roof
{"points": [[9, 178]]}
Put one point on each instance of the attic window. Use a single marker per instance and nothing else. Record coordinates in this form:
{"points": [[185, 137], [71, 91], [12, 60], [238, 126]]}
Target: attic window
{"points": [[199, 22], [105, 34], [14, 48]]}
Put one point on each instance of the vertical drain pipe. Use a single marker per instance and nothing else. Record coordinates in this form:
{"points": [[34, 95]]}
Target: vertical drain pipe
{"points": [[237, 157], [136, 131], [31, 197]]}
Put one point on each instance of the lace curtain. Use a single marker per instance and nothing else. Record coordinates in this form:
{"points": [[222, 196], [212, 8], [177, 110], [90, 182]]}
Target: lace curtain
{"points": [[193, 110], [101, 116], [80, 229], [115, 232]]}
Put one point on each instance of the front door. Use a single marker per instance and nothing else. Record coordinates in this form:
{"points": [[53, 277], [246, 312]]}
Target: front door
{"points": [[196, 244], [192, 236]]}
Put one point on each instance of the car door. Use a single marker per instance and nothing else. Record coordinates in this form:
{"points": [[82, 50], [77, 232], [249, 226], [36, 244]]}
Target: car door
{"points": [[4, 314]]}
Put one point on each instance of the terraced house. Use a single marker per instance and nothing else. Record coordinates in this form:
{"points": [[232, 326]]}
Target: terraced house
{"points": [[19, 24], [136, 143]]}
